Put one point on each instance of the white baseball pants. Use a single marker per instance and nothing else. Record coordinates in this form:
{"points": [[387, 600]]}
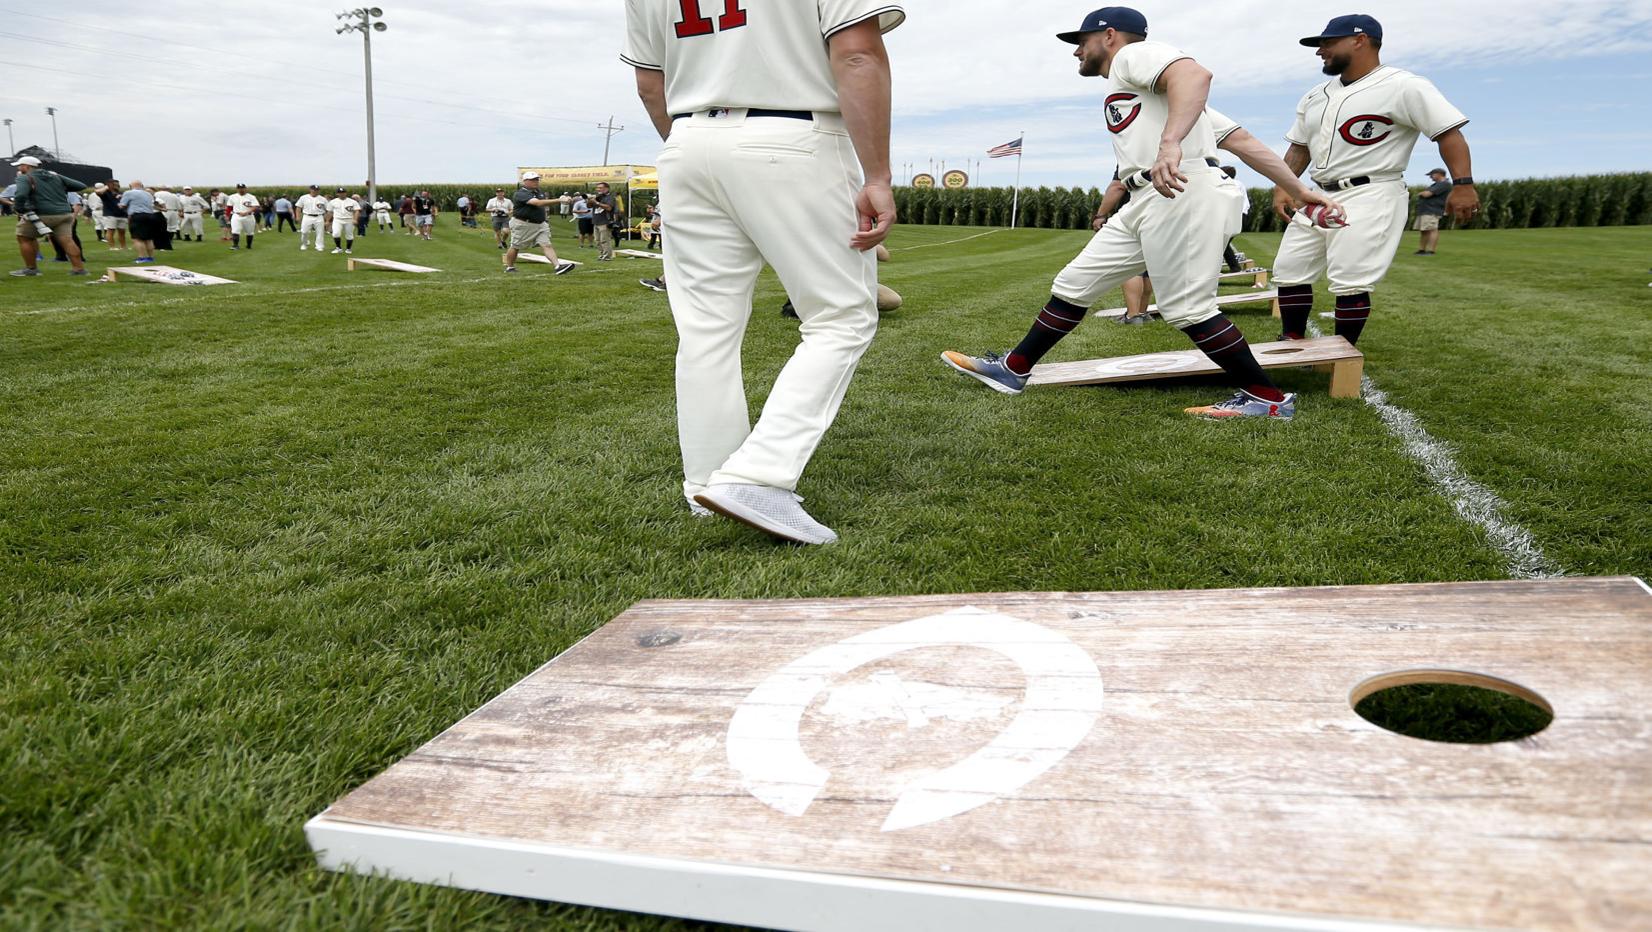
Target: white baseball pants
{"points": [[244, 225], [315, 224], [172, 221], [1177, 241], [191, 225], [1356, 256], [740, 192], [344, 227]]}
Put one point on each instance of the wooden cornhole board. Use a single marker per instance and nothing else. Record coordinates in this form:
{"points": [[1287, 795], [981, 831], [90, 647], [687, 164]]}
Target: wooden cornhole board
{"points": [[539, 258], [1345, 363], [955, 763], [390, 265], [166, 275], [639, 254], [1258, 276], [1226, 300]]}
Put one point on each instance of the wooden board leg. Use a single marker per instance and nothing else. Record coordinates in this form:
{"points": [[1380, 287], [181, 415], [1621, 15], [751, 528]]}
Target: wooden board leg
{"points": [[349, 265], [1345, 377], [1276, 306], [1262, 279]]}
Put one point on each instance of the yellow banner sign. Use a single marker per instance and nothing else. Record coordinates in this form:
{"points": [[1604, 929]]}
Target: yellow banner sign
{"points": [[586, 174]]}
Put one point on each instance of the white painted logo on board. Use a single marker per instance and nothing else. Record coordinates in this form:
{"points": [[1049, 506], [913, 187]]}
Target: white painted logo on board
{"points": [[1060, 704]]}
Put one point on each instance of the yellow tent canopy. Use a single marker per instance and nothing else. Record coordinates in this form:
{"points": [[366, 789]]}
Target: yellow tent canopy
{"points": [[646, 181]]}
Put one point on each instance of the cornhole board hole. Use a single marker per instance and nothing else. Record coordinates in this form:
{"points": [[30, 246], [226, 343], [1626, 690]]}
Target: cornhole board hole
{"points": [[389, 265], [166, 275], [1075, 761], [539, 258], [1226, 300], [639, 254], [1346, 365], [1259, 277]]}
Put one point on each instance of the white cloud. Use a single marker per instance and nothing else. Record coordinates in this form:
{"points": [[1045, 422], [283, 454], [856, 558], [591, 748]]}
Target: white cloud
{"points": [[215, 93]]}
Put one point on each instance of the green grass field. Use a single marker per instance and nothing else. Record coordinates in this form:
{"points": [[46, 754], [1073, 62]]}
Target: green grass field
{"points": [[261, 541]]}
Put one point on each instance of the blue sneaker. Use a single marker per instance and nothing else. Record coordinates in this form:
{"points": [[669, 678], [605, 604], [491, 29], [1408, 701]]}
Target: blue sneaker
{"points": [[1245, 404], [990, 370]]}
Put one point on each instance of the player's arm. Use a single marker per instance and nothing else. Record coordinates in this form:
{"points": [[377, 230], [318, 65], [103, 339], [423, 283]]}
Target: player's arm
{"points": [[1463, 202], [1262, 160], [860, 63], [1186, 86], [1109, 203], [1296, 161], [651, 88]]}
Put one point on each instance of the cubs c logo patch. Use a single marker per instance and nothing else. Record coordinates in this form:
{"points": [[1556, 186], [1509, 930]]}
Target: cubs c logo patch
{"points": [[1367, 129], [1122, 110]]}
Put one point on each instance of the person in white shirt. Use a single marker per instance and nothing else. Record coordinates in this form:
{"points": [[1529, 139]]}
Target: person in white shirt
{"points": [[192, 207], [220, 210], [381, 213], [245, 215], [729, 93], [1180, 214], [1355, 134], [171, 208], [94, 204], [582, 220], [312, 210], [499, 209], [343, 209]]}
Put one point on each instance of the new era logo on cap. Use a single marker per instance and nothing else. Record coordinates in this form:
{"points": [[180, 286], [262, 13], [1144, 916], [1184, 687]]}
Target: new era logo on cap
{"points": [[1122, 18]]}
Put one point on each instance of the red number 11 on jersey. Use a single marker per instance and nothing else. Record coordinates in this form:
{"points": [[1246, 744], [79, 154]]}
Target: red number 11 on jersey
{"points": [[694, 24]]}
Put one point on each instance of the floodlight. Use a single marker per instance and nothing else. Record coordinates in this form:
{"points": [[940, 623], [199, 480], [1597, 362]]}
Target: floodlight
{"points": [[375, 11], [379, 27]]}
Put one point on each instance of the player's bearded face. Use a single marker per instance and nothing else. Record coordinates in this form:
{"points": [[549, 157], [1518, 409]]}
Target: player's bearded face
{"points": [[1336, 57], [1092, 56]]}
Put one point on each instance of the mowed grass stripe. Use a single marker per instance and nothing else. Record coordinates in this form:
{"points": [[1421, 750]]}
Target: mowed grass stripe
{"points": [[257, 550]]}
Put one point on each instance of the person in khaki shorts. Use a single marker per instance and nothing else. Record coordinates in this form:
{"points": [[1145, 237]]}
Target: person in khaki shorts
{"points": [[1431, 206], [42, 205], [529, 228]]}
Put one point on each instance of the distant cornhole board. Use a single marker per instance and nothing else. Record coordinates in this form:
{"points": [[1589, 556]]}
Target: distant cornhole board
{"points": [[1345, 362], [390, 265], [954, 763], [1259, 277], [539, 258], [166, 275], [1226, 300], [639, 254]]}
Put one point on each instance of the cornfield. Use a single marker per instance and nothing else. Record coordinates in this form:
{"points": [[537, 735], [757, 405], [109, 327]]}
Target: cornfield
{"points": [[1581, 201]]}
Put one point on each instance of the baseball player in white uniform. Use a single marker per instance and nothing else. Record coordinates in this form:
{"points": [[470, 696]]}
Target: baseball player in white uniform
{"points": [[776, 121], [343, 209], [171, 208], [1179, 217], [192, 207], [381, 213], [312, 209], [244, 216], [94, 207], [1356, 132]]}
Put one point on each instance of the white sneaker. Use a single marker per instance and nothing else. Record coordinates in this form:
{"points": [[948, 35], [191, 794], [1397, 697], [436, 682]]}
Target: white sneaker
{"points": [[768, 509], [302, 247], [336, 250], [347, 252]]}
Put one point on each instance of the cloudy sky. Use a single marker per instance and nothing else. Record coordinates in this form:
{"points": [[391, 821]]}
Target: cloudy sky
{"points": [[267, 93]]}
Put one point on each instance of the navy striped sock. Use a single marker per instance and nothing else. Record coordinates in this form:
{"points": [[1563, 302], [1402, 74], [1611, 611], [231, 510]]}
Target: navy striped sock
{"points": [[1296, 302], [1219, 339], [1352, 312], [1056, 320]]}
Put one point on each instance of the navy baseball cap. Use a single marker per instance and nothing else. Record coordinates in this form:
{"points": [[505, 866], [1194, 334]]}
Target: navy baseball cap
{"points": [[1354, 24], [1121, 18]]}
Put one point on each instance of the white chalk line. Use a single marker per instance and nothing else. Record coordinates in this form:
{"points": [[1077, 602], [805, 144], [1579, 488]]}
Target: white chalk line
{"points": [[1473, 502], [947, 243]]}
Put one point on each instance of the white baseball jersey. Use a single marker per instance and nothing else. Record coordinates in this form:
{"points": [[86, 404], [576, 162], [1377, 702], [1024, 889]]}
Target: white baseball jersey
{"points": [[312, 205], [500, 205], [1369, 127], [218, 202], [1136, 113], [243, 204], [737, 53], [382, 206], [168, 202], [1220, 126], [193, 204], [343, 207]]}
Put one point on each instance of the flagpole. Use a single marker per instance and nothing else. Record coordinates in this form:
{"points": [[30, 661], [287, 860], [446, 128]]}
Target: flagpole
{"points": [[1015, 200]]}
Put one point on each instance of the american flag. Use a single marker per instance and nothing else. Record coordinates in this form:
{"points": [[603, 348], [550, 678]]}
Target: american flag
{"points": [[1013, 147]]}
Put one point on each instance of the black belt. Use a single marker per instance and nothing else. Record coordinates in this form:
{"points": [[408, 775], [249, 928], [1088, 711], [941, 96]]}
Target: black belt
{"points": [[1138, 180], [786, 114], [1346, 183]]}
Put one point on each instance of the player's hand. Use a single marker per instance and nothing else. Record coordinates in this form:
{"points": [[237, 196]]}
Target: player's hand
{"points": [[1097, 222], [1284, 205], [875, 208], [1310, 196], [1463, 202], [1167, 169]]}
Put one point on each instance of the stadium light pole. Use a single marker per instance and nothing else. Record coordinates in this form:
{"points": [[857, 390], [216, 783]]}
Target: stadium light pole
{"points": [[366, 20], [10, 142], [57, 150]]}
